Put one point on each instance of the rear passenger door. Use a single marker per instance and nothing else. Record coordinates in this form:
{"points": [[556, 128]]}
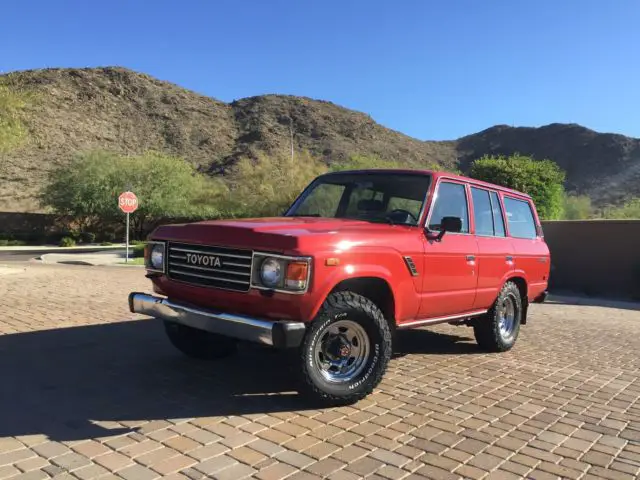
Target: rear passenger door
{"points": [[530, 251], [495, 251]]}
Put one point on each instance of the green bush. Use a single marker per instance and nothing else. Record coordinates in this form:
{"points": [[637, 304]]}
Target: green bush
{"points": [[542, 179], [88, 188], [11, 243], [67, 242], [137, 250]]}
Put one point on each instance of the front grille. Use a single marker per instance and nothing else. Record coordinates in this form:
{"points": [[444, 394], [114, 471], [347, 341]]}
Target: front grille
{"points": [[218, 267]]}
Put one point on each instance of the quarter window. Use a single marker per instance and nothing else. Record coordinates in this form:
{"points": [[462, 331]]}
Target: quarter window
{"points": [[498, 219], [451, 201], [519, 218]]}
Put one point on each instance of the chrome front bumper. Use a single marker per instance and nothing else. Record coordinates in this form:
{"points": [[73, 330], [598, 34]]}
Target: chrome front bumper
{"points": [[280, 334]]}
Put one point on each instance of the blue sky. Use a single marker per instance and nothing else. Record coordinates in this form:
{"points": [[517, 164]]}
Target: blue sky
{"points": [[430, 69]]}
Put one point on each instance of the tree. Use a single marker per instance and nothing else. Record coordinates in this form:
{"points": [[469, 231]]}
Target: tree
{"points": [[166, 187], [542, 179], [577, 207]]}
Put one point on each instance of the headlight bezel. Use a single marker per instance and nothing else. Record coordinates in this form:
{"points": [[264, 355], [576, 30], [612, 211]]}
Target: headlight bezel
{"points": [[259, 258], [151, 247]]}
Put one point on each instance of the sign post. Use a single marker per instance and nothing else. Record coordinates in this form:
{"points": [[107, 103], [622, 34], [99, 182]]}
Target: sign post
{"points": [[128, 203]]}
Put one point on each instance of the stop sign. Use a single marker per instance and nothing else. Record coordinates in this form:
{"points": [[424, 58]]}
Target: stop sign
{"points": [[128, 202]]}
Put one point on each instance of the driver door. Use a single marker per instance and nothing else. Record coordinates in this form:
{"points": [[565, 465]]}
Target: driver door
{"points": [[450, 270]]}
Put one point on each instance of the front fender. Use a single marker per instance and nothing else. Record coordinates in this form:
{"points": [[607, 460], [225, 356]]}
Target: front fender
{"points": [[388, 266]]}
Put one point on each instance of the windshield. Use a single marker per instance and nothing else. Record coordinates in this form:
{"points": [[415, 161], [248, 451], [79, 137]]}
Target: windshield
{"points": [[375, 197]]}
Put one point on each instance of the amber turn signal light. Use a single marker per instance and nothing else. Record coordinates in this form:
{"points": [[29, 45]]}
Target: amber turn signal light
{"points": [[297, 273]]}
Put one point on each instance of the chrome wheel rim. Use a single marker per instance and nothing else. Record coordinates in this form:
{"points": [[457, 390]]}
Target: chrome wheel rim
{"points": [[341, 351], [507, 318]]}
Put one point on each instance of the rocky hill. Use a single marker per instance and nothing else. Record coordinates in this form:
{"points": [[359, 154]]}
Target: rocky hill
{"points": [[71, 110]]}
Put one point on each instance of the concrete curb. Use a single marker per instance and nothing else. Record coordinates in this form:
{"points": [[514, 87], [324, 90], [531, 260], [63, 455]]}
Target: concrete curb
{"points": [[53, 249]]}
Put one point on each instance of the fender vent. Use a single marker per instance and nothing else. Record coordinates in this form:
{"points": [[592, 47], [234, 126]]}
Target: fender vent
{"points": [[411, 266]]}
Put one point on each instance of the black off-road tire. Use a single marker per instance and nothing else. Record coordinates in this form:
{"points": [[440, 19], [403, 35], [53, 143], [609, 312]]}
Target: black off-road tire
{"points": [[487, 329], [199, 344], [341, 306]]}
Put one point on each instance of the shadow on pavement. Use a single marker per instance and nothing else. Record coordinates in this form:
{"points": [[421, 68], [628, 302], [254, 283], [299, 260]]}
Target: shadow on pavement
{"points": [[58, 382], [568, 298]]}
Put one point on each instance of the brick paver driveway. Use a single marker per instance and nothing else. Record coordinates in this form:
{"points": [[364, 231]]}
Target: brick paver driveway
{"points": [[89, 390]]}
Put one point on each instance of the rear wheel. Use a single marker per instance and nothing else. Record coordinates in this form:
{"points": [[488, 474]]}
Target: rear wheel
{"points": [[498, 330], [346, 349], [199, 344]]}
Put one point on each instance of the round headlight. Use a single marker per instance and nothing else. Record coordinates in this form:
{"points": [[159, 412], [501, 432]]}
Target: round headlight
{"points": [[271, 272], [157, 256]]}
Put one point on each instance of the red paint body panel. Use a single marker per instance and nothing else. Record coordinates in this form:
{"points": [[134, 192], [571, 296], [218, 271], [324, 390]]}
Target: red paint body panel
{"points": [[447, 281]]}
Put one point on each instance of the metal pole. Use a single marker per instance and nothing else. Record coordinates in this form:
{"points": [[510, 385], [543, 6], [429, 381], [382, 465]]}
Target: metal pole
{"points": [[126, 259]]}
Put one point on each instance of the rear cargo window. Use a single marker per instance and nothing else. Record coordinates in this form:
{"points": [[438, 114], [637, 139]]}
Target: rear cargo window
{"points": [[519, 218]]}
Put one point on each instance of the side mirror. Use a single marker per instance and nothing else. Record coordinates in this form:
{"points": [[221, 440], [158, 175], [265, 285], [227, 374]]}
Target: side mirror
{"points": [[447, 224], [451, 224]]}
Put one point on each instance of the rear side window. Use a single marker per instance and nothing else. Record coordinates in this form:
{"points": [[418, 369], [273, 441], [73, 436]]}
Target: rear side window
{"points": [[482, 213], [451, 201], [519, 218]]}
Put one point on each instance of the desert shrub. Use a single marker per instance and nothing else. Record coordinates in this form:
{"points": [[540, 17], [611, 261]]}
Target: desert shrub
{"points": [[577, 207], [267, 185], [12, 130], [628, 210], [67, 242]]}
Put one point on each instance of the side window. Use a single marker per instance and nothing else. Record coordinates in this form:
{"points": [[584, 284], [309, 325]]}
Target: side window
{"points": [[482, 213], [498, 220], [520, 218], [451, 201]]}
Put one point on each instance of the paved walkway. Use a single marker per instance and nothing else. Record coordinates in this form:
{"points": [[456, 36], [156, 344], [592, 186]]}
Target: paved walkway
{"points": [[91, 391]]}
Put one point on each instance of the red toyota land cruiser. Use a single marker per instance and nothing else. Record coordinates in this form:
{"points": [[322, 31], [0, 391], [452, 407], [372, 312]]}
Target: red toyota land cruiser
{"points": [[358, 255]]}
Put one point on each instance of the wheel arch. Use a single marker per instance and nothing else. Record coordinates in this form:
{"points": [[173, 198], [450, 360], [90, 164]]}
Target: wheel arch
{"points": [[376, 289], [523, 287]]}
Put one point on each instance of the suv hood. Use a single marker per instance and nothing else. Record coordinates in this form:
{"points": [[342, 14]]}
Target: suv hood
{"points": [[280, 234]]}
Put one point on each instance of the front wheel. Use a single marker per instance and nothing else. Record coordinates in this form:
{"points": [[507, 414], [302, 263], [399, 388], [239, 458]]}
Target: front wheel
{"points": [[346, 349], [498, 330]]}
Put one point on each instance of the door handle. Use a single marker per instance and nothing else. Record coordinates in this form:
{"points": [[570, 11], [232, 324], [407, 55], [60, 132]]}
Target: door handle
{"points": [[471, 258]]}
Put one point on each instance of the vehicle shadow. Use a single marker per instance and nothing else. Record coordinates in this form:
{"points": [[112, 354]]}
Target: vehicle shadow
{"points": [[60, 382], [425, 341]]}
